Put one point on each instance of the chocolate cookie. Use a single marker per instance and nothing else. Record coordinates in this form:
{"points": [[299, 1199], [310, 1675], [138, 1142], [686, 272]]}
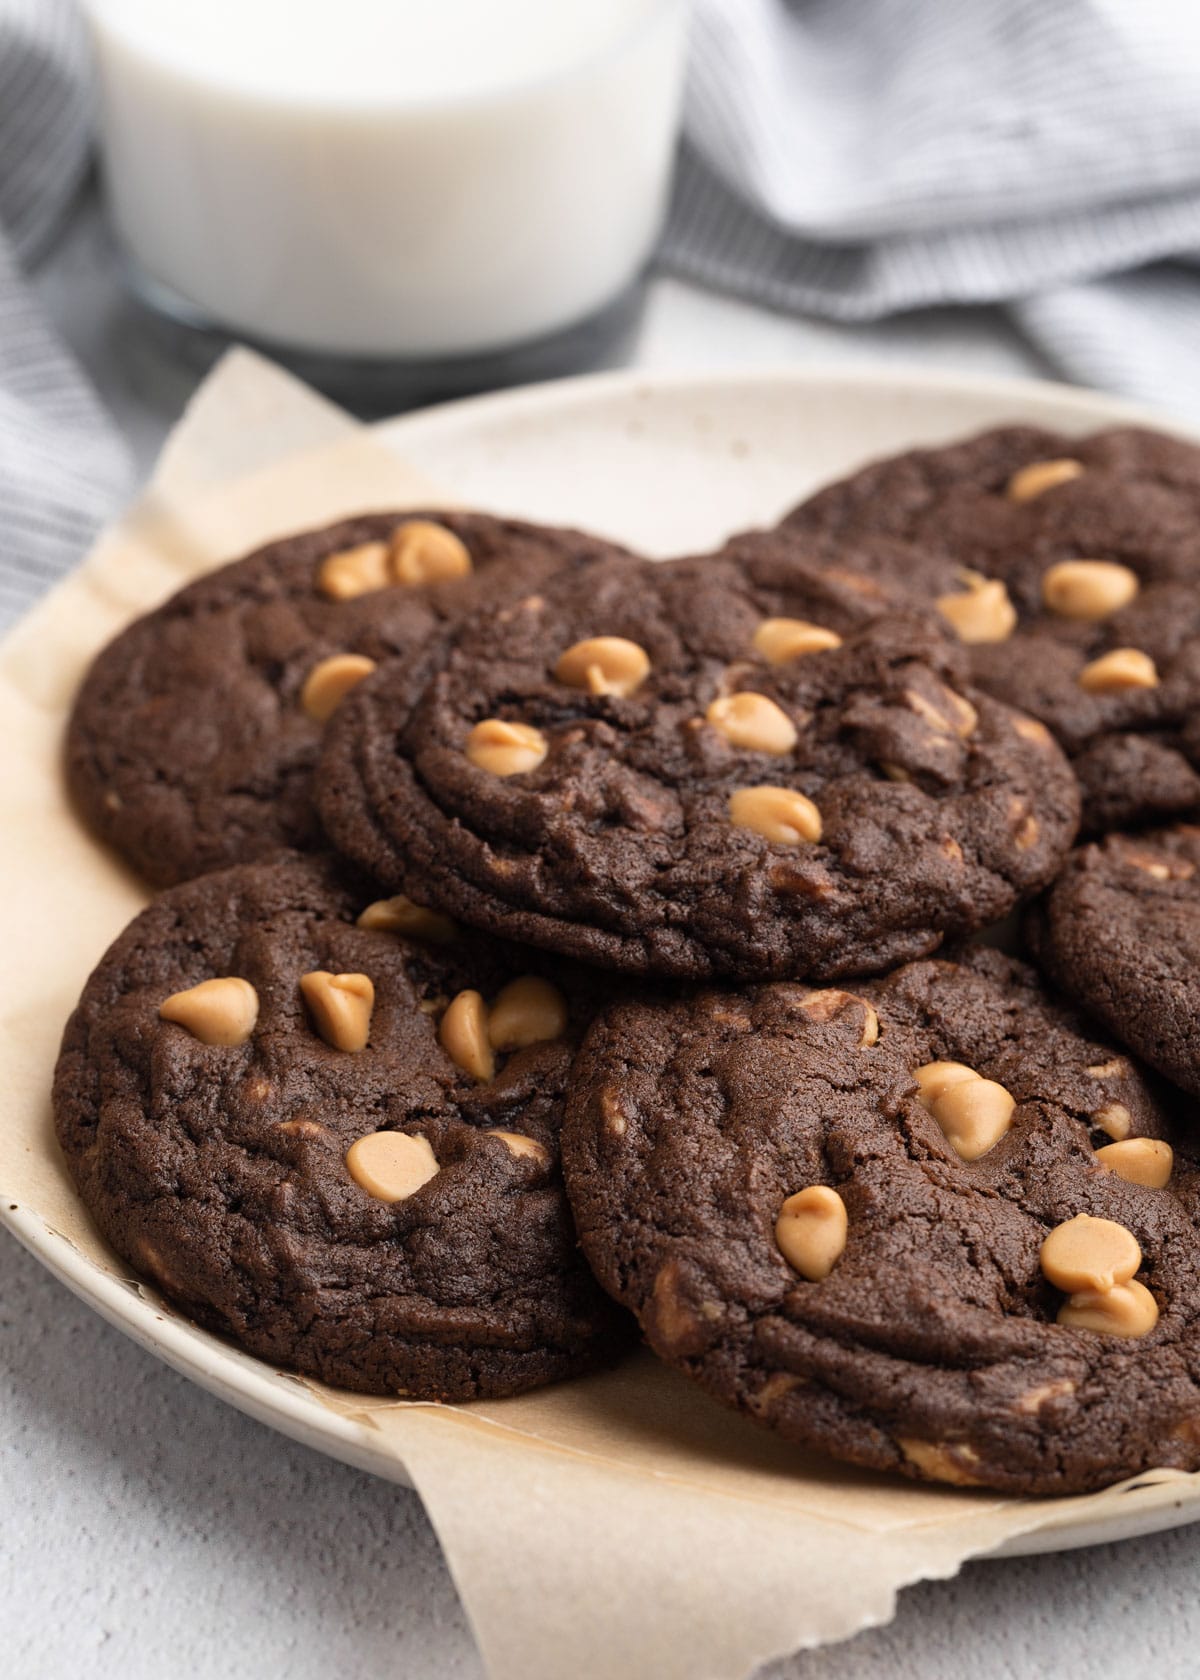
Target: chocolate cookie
{"points": [[295, 1112], [192, 741], [701, 767], [1120, 931], [936, 1227], [1076, 568]]}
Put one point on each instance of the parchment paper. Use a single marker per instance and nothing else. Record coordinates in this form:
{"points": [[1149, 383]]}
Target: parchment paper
{"points": [[621, 1526]]}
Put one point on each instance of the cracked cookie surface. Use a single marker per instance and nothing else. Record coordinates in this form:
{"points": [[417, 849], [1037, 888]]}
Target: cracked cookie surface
{"points": [[701, 767], [221, 1150], [191, 744], [1096, 543], [710, 1142], [1120, 931]]}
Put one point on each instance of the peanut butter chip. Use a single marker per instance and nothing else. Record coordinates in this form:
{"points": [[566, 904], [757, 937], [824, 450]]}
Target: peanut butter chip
{"points": [[521, 1147], [1122, 668], [974, 1116], [1145, 1161], [1040, 476], [506, 749], [1109, 1069], [464, 1036], [1129, 1309], [1115, 1119], [401, 915], [779, 814], [942, 1461], [527, 1011], [328, 683], [391, 1166], [811, 1231], [980, 613], [341, 1006], [1088, 589], [936, 1077], [956, 716], [354, 571], [604, 665], [1029, 729], [1158, 864], [1089, 1254], [825, 1005], [782, 639], [753, 722], [423, 552], [216, 1011], [1044, 1394]]}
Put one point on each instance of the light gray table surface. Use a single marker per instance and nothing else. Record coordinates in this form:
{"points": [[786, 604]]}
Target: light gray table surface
{"points": [[148, 1531]]}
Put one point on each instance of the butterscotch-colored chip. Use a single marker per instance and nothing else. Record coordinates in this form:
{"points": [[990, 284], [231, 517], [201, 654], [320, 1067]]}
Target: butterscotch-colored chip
{"points": [[1128, 1309], [980, 613], [942, 1461], [1158, 864], [811, 1231], [414, 921], [464, 1036], [1110, 1069], [521, 1147], [424, 552], [391, 1166], [1029, 729], [354, 571], [527, 1011], [341, 1007], [779, 814], [301, 1128], [604, 665], [825, 1005], [936, 1077], [1086, 1253], [1145, 1161], [1115, 1119], [1040, 476], [1044, 1394], [782, 639], [328, 683], [222, 1011], [955, 716], [973, 1115], [1088, 589], [753, 722], [506, 749], [1122, 668]]}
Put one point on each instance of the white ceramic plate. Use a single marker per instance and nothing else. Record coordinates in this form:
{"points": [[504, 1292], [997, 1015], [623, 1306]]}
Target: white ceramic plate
{"points": [[668, 464]]}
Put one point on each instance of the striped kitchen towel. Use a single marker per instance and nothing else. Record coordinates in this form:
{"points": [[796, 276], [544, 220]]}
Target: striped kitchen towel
{"points": [[853, 158], [63, 468], [846, 158]]}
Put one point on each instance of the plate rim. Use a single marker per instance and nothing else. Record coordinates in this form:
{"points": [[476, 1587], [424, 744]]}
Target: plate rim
{"points": [[281, 1400]]}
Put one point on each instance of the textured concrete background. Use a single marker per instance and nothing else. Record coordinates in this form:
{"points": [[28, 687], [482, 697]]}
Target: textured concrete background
{"points": [[147, 1530]]}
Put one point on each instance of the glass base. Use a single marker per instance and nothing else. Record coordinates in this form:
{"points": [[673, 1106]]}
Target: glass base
{"points": [[171, 327]]}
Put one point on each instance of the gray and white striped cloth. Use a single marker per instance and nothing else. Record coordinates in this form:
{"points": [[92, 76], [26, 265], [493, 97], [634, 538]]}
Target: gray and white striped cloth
{"points": [[853, 158], [843, 158], [63, 467]]}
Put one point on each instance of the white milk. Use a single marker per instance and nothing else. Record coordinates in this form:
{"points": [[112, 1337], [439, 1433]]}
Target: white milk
{"points": [[407, 178]]}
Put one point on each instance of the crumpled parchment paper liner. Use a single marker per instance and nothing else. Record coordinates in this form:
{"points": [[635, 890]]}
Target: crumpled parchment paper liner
{"points": [[619, 1526]]}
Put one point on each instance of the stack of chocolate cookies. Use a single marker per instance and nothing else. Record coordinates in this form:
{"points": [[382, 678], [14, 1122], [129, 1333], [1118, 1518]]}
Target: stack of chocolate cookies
{"points": [[557, 946]]}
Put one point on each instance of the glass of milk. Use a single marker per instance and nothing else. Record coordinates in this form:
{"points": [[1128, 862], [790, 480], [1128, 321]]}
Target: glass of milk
{"points": [[438, 184]]}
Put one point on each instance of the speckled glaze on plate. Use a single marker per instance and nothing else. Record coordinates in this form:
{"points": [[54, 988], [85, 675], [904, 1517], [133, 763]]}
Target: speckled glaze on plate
{"points": [[667, 463]]}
